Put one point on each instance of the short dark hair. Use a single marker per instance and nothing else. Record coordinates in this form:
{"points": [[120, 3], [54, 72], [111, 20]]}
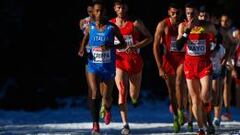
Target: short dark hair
{"points": [[89, 4], [120, 2], [202, 8], [190, 5], [100, 2], [173, 5]]}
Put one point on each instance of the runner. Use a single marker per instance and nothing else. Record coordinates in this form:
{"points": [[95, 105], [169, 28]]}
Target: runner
{"points": [[236, 67], [129, 63], [216, 59], [198, 39], [101, 61], [170, 65], [225, 30], [83, 23]]}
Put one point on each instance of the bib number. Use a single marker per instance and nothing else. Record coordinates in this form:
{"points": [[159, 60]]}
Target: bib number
{"points": [[100, 56], [196, 47], [128, 39]]}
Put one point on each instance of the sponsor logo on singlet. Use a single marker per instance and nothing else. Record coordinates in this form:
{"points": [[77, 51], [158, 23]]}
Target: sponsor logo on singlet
{"points": [[196, 47], [100, 56], [100, 37], [173, 46]]}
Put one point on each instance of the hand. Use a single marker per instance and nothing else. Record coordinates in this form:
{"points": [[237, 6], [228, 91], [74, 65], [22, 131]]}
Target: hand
{"points": [[130, 49], [104, 47], [234, 74], [81, 52], [162, 73]]}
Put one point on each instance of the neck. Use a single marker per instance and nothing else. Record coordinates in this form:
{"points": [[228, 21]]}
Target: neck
{"points": [[122, 18], [173, 22]]}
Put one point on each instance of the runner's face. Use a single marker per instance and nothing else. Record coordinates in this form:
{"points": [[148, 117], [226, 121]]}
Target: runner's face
{"points": [[90, 11], [224, 21], [121, 10], [189, 13], [203, 16], [173, 13], [98, 12]]}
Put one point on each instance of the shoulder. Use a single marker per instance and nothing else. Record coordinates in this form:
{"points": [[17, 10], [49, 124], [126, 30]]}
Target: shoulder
{"points": [[113, 20], [182, 25], [163, 23]]}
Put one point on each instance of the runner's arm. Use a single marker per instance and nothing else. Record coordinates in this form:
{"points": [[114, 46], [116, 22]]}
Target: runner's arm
{"points": [[138, 24], [119, 36], [84, 43], [182, 36], [157, 43]]}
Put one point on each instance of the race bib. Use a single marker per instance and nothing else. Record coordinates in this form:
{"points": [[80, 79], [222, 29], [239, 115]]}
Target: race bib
{"points": [[173, 46], [196, 47], [100, 56], [128, 39]]}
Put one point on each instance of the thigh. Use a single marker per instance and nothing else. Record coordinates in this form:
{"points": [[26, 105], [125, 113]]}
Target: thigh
{"points": [[205, 83], [106, 87], [193, 88], [93, 84], [121, 79]]}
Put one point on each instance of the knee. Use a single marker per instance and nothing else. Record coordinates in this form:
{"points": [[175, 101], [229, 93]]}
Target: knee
{"points": [[93, 94], [205, 96], [107, 97], [195, 99], [178, 83]]}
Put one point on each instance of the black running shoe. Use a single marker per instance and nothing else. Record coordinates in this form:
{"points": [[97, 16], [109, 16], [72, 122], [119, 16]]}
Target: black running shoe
{"points": [[125, 130]]}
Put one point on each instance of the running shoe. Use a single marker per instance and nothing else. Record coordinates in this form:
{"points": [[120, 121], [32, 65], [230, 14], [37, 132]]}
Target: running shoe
{"points": [[135, 103], [210, 130], [107, 118], [216, 122], [102, 111], [125, 130], [176, 125], [200, 132], [181, 119], [190, 127], [95, 130], [226, 117]]}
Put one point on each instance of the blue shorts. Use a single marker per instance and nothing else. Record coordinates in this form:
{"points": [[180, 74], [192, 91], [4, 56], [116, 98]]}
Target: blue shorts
{"points": [[217, 75], [103, 72]]}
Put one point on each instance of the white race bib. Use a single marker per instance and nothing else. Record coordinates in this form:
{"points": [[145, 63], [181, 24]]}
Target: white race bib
{"points": [[128, 39], [100, 56], [196, 47]]}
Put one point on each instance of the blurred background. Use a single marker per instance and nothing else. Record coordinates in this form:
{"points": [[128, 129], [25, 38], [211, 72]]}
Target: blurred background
{"points": [[39, 41]]}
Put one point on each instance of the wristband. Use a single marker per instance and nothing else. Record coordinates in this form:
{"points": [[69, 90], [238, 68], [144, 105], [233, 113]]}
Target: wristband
{"points": [[185, 35]]}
